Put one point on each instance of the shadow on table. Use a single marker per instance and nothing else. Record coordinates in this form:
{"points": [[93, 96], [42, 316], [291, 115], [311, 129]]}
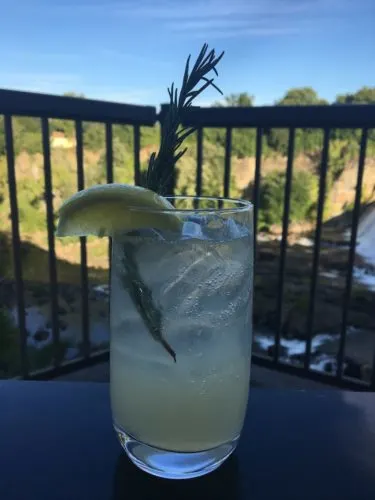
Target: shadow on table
{"points": [[131, 482]]}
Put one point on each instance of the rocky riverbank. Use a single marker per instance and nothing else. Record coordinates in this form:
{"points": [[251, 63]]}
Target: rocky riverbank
{"points": [[327, 325]]}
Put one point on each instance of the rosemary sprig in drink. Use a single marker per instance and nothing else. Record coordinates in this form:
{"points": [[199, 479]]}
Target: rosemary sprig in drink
{"points": [[142, 298], [158, 176]]}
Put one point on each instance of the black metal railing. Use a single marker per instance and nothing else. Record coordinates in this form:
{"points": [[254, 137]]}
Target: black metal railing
{"points": [[45, 107], [325, 118]]}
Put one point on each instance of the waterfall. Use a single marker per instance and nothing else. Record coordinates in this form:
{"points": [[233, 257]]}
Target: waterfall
{"points": [[366, 236]]}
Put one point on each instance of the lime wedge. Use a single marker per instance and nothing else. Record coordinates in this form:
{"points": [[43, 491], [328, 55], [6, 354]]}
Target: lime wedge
{"points": [[107, 209]]}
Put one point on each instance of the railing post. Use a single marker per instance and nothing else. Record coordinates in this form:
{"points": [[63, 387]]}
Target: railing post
{"points": [[198, 182], [227, 161], [351, 257], [16, 245], [136, 153], [317, 243], [256, 191], [48, 195], [109, 171], [284, 243], [170, 186], [84, 274]]}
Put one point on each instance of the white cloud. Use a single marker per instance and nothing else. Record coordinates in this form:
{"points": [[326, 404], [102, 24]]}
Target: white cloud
{"points": [[212, 18], [241, 18], [193, 9], [250, 32], [212, 9], [204, 24]]}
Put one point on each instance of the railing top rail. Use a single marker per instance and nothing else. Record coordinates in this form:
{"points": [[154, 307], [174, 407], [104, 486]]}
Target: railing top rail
{"points": [[14, 102], [328, 116]]}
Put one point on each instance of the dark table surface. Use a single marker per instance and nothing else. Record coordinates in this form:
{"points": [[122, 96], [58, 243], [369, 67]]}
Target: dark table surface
{"points": [[57, 442]]}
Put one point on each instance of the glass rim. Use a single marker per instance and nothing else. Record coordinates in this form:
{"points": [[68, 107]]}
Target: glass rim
{"points": [[239, 205]]}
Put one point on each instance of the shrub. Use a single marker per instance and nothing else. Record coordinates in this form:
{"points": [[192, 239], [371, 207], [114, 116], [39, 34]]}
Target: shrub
{"points": [[303, 196]]}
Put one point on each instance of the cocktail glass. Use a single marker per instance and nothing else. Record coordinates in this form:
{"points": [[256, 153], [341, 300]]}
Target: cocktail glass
{"points": [[180, 348]]}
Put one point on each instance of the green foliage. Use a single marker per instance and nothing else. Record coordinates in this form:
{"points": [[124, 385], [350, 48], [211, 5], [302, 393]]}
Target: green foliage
{"points": [[212, 173], [74, 94], [150, 136], [66, 126], [365, 95], [123, 134], [301, 96], [27, 135], [243, 140], [306, 140], [93, 136], [344, 147], [241, 100], [122, 163], [340, 153], [303, 196], [63, 174]]}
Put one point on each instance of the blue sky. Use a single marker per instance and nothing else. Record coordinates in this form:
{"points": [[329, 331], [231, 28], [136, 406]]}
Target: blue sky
{"points": [[131, 50]]}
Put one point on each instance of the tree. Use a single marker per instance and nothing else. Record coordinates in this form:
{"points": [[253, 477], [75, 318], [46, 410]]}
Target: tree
{"points": [[79, 95], [241, 100], [93, 136], [365, 95], [27, 135], [271, 200], [66, 126], [243, 140], [122, 164], [306, 140], [301, 96]]}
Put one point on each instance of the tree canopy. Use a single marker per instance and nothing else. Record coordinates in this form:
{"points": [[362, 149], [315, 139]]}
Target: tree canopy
{"points": [[365, 95], [302, 96], [241, 100]]}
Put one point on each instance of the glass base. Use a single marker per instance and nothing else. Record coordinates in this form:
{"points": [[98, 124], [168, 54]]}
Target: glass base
{"points": [[171, 464]]}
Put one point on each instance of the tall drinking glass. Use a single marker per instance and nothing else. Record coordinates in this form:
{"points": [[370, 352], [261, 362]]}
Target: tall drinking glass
{"points": [[179, 388]]}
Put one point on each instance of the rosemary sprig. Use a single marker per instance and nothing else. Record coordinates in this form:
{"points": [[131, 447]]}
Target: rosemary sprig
{"points": [[161, 165], [159, 171], [142, 298]]}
